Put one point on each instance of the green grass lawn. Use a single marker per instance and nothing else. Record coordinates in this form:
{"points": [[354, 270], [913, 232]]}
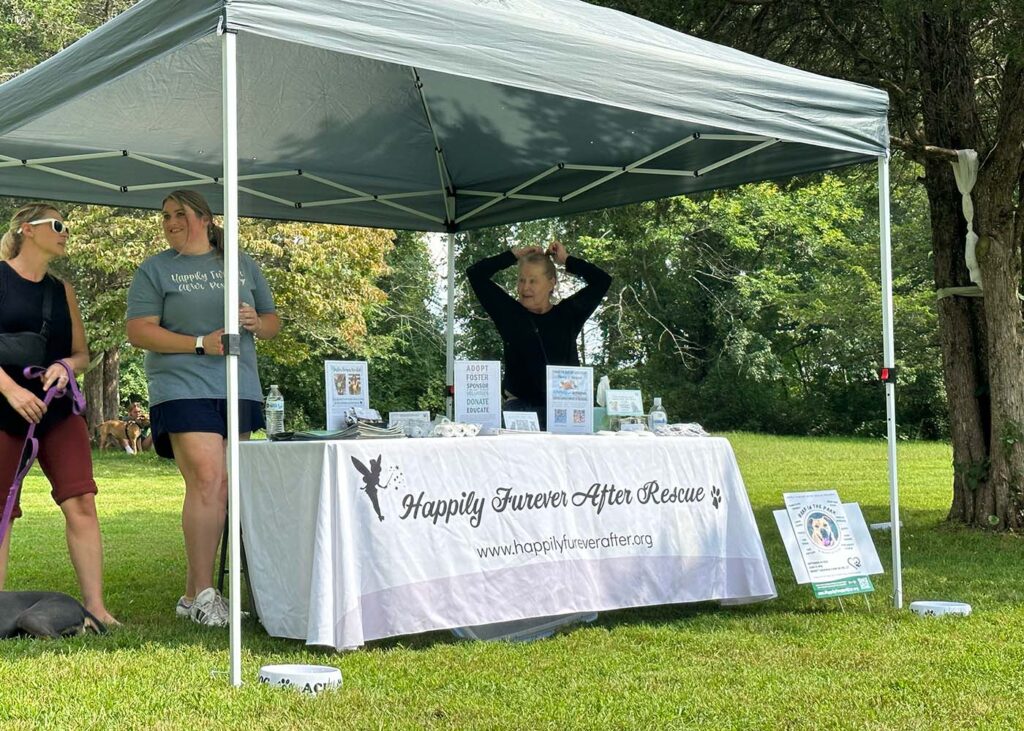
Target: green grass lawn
{"points": [[794, 662]]}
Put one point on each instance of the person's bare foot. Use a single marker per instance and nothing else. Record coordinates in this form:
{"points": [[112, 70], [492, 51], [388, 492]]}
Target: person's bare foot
{"points": [[104, 616]]}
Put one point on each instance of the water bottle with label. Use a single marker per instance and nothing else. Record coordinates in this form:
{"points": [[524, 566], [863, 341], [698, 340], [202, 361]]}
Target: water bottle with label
{"points": [[657, 417], [274, 411]]}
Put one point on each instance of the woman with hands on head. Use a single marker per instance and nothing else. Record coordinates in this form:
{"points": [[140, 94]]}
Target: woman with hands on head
{"points": [[535, 331], [37, 235], [176, 313]]}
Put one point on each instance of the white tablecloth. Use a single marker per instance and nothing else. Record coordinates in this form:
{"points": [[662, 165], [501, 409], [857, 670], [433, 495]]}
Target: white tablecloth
{"points": [[490, 529]]}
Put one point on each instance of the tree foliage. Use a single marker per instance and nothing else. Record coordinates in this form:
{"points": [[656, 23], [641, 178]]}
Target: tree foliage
{"points": [[753, 309], [954, 70], [349, 294], [33, 30]]}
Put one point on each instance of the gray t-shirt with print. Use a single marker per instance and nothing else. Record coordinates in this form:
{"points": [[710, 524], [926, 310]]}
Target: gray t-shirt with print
{"points": [[187, 294]]}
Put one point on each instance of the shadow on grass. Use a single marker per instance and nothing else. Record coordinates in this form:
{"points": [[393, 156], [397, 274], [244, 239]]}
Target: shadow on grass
{"points": [[145, 564]]}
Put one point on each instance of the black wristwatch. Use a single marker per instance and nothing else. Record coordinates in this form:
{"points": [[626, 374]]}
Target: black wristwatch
{"points": [[200, 350]]}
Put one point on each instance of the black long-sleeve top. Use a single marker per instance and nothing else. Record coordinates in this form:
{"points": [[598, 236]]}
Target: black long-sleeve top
{"points": [[533, 341]]}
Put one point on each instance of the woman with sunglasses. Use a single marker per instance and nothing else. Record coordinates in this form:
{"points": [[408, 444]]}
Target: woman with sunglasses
{"points": [[176, 314], [37, 235]]}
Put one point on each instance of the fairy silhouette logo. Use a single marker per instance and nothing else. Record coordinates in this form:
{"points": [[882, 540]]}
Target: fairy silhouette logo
{"points": [[371, 480]]}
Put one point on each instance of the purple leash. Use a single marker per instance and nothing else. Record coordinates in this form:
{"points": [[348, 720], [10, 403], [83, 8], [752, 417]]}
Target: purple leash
{"points": [[31, 442]]}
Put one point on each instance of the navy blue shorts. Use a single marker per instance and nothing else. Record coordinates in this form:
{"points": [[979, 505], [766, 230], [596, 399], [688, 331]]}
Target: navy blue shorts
{"points": [[199, 415]]}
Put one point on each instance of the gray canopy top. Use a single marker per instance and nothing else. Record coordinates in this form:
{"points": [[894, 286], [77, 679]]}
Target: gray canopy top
{"points": [[420, 114]]}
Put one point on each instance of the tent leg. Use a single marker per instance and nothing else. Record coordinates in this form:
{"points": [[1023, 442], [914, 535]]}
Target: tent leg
{"points": [[230, 128], [890, 385], [450, 345]]}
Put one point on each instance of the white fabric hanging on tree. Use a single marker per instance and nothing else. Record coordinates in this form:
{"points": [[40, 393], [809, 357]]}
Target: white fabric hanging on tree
{"points": [[965, 169]]}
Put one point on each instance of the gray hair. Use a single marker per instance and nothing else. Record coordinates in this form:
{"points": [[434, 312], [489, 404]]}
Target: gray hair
{"points": [[544, 260]]}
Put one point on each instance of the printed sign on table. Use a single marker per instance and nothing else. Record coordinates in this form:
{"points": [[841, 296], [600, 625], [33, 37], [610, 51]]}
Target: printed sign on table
{"points": [[522, 420], [413, 423], [478, 392], [624, 402], [347, 385], [823, 534], [570, 400]]}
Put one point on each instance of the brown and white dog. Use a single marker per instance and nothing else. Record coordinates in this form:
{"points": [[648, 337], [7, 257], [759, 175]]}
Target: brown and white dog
{"points": [[117, 430], [822, 532]]}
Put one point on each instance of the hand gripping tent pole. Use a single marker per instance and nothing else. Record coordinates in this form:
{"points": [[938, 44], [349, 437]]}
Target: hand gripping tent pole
{"points": [[889, 362], [229, 81]]}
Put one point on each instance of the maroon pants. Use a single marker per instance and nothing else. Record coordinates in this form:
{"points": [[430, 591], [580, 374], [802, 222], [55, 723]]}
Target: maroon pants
{"points": [[64, 456]]}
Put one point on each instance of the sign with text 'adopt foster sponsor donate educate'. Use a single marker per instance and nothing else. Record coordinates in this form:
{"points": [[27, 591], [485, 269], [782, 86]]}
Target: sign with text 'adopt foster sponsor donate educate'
{"points": [[478, 392]]}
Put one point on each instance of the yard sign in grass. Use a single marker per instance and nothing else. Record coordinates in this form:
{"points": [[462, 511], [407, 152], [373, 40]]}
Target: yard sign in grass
{"points": [[828, 547]]}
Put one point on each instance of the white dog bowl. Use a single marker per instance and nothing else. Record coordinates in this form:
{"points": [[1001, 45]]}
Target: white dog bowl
{"points": [[310, 679], [938, 609]]}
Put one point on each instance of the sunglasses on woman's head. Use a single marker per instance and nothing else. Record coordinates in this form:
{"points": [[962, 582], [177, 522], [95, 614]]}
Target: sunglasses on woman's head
{"points": [[57, 225]]}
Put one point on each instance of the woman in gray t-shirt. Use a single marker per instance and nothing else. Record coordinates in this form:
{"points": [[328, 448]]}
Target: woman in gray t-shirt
{"points": [[176, 314]]}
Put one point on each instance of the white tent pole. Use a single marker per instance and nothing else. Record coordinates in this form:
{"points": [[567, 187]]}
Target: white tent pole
{"points": [[450, 346], [889, 362], [229, 71]]}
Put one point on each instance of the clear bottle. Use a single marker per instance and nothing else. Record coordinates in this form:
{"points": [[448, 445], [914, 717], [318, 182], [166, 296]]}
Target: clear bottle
{"points": [[657, 417], [274, 411]]}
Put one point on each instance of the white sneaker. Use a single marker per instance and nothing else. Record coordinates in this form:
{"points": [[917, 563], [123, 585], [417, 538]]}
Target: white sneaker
{"points": [[209, 608], [184, 608]]}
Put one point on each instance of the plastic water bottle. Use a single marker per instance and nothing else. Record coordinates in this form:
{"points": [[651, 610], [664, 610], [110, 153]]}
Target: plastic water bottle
{"points": [[657, 417], [275, 411]]}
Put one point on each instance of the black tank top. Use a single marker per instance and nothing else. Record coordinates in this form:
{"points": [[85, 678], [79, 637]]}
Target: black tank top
{"points": [[21, 310]]}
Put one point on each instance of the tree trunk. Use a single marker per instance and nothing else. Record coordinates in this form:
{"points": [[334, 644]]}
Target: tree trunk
{"points": [[93, 392], [989, 458], [1001, 271], [962, 343], [999, 254], [982, 344], [111, 383]]}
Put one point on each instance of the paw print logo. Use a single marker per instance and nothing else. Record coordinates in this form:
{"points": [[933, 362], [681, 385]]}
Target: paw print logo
{"points": [[716, 497]]}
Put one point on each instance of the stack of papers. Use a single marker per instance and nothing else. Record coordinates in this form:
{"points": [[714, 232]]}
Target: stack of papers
{"points": [[361, 430]]}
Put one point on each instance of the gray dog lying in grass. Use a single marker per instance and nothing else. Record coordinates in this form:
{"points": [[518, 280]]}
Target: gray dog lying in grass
{"points": [[44, 614]]}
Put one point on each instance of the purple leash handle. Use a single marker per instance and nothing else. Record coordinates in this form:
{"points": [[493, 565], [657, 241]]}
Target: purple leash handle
{"points": [[30, 438], [77, 399]]}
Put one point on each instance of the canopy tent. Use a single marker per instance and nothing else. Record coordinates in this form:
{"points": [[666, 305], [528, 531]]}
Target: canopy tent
{"points": [[418, 114], [371, 113]]}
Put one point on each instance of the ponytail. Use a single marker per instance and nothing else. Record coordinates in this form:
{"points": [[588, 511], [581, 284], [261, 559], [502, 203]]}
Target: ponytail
{"points": [[10, 244], [216, 235]]}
